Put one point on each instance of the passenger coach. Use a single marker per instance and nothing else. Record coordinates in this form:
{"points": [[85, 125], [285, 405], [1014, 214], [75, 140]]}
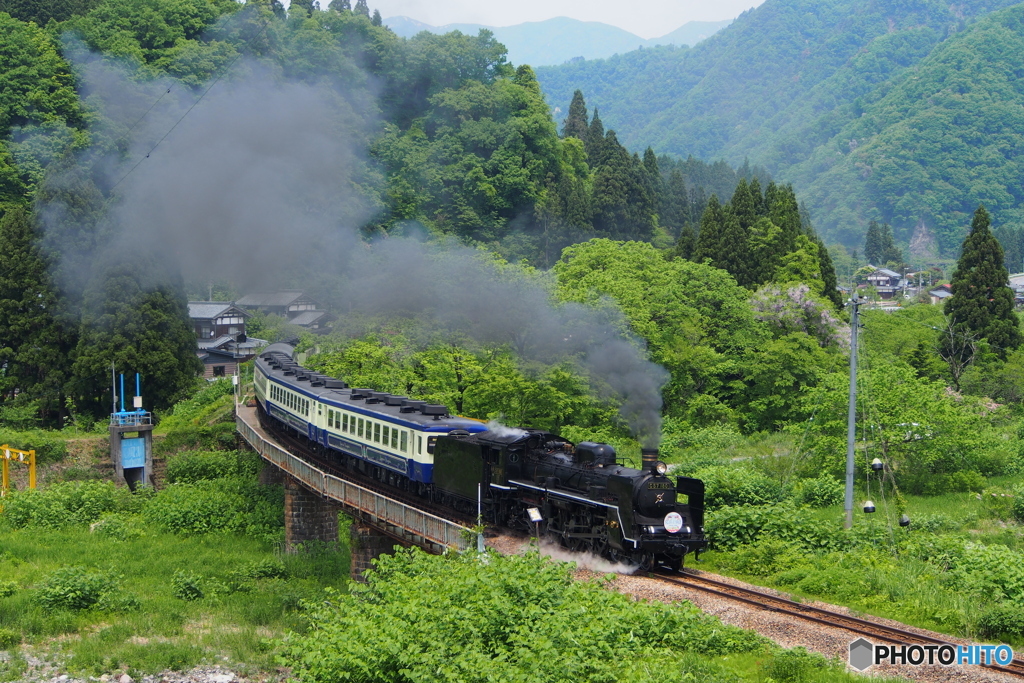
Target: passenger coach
{"points": [[391, 435]]}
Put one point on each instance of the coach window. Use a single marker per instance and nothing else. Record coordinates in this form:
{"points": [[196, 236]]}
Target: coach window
{"points": [[387, 434], [394, 438], [419, 445], [360, 432], [376, 432], [344, 422], [405, 441]]}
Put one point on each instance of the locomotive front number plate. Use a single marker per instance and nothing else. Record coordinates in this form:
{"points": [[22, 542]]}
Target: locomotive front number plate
{"points": [[666, 485]]}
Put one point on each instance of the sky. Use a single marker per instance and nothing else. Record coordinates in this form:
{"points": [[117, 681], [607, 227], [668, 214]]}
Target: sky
{"points": [[645, 18]]}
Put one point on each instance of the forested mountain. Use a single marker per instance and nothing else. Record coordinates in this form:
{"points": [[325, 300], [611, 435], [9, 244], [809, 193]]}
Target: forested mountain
{"points": [[797, 85], [133, 131], [558, 40]]}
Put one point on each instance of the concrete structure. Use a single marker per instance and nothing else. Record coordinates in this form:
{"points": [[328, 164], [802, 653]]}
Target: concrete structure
{"points": [[131, 447]]}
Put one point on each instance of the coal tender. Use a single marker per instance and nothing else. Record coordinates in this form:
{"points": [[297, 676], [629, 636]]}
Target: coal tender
{"points": [[581, 494]]}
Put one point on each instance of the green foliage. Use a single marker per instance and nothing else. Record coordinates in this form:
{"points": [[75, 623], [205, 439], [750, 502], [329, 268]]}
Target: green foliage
{"points": [[69, 503], [231, 503], [878, 120], [215, 437], [186, 586], [8, 588], [9, 638], [195, 466], [49, 447], [508, 618], [730, 485], [1002, 621], [117, 527], [1018, 503], [73, 588], [982, 302], [730, 527], [821, 492], [193, 409]]}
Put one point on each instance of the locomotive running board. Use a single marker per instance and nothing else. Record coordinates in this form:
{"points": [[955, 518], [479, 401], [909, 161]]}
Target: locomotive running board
{"points": [[579, 499]]}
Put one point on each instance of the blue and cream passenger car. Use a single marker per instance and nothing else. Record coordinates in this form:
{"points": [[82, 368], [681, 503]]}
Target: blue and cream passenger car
{"points": [[394, 433]]}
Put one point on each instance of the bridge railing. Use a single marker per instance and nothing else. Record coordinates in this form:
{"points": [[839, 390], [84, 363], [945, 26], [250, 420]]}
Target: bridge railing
{"points": [[420, 527]]}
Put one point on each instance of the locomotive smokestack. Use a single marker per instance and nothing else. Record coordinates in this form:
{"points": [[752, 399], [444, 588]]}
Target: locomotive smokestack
{"points": [[649, 457]]}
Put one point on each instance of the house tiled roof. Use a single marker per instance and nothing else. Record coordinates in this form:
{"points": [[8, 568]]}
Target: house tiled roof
{"points": [[888, 273], [208, 310], [309, 317], [282, 298]]}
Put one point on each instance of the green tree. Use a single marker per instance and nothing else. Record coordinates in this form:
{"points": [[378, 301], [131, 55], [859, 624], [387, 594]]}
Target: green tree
{"points": [[622, 202], [709, 237], [139, 324], [982, 302], [340, 5], [362, 8], [35, 342], [576, 124], [595, 139], [376, 19], [873, 246]]}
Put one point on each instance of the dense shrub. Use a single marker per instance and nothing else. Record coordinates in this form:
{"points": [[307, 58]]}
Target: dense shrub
{"points": [[8, 588], [8, 638], [822, 492], [218, 437], [117, 527], [764, 558], [509, 618], [1002, 621], [1018, 503], [193, 466], [732, 526], [725, 485], [186, 586], [929, 484], [226, 504], [50, 447], [73, 588], [190, 410], [68, 503], [795, 666], [993, 571]]}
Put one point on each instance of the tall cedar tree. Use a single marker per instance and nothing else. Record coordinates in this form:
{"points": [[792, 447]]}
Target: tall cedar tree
{"points": [[595, 139], [576, 123], [982, 303], [362, 8], [34, 344], [709, 238], [376, 19], [340, 5], [674, 208], [828, 275], [623, 207]]}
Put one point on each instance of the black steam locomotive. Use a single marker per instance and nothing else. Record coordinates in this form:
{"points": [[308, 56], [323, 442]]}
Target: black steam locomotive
{"points": [[582, 494]]}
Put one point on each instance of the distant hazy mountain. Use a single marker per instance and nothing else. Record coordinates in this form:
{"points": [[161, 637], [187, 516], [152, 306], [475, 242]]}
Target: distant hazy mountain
{"points": [[555, 41]]}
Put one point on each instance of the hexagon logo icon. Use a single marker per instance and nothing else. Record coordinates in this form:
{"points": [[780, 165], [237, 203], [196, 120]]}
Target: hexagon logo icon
{"points": [[861, 652]]}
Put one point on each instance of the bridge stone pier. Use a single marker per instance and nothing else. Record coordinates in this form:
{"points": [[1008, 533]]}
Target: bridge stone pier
{"points": [[308, 516], [313, 500]]}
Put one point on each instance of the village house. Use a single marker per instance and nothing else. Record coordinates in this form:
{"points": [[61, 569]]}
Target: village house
{"points": [[220, 337]]}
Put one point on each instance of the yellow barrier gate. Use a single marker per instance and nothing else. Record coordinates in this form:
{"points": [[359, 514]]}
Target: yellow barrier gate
{"points": [[6, 455]]}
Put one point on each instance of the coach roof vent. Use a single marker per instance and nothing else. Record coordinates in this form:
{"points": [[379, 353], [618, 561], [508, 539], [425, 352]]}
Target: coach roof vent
{"points": [[376, 397], [335, 384], [360, 393], [395, 400], [289, 371], [412, 406], [437, 411]]}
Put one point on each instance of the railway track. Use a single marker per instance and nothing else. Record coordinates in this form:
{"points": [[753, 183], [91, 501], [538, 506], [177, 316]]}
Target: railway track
{"points": [[773, 603]]}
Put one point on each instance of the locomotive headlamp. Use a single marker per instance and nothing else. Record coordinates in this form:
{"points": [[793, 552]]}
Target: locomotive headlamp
{"points": [[660, 467]]}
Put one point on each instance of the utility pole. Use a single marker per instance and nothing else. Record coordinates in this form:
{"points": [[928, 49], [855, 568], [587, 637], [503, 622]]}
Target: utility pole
{"points": [[851, 418]]}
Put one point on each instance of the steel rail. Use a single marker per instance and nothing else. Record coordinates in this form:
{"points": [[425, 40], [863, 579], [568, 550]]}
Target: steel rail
{"points": [[819, 615]]}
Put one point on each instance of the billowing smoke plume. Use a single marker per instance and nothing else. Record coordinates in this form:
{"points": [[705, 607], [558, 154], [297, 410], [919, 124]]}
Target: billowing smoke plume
{"points": [[265, 183]]}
